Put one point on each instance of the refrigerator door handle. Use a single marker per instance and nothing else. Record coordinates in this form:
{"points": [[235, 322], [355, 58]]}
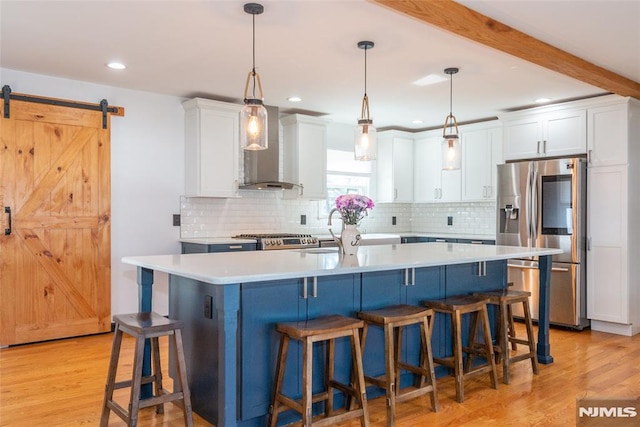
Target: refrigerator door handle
{"points": [[534, 208]]}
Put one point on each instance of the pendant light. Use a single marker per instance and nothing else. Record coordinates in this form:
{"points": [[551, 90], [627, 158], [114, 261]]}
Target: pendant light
{"points": [[365, 134], [451, 153], [253, 116]]}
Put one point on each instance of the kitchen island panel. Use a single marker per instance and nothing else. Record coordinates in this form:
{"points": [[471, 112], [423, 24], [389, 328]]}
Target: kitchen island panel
{"points": [[264, 304]]}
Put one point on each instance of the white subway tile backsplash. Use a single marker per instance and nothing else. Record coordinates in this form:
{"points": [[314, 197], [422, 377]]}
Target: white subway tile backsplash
{"points": [[269, 212]]}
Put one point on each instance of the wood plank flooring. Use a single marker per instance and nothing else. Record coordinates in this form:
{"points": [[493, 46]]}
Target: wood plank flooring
{"points": [[61, 383]]}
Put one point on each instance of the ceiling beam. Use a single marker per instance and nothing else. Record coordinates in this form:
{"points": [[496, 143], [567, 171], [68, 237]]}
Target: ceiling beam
{"points": [[458, 19]]}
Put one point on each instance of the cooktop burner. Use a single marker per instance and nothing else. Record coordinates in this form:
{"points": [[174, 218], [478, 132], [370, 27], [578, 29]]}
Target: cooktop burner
{"points": [[271, 241]]}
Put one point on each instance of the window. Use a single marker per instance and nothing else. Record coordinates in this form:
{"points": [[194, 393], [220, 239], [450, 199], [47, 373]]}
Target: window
{"points": [[345, 175]]}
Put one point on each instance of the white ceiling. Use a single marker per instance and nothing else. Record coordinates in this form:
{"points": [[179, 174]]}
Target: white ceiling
{"points": [[308, 48]]}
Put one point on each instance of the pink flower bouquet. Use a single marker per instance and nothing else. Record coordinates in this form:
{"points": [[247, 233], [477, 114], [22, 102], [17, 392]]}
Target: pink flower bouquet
{"points": [[353, 207]]}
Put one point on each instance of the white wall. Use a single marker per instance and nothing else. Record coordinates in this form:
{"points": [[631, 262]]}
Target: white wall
{"points": [[147, 174]]}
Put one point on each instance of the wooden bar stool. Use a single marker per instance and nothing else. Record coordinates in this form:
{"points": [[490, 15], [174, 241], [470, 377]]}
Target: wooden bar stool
{"points": [[142, 326], [392, 319], [504, 299], [322, 329], [456, 306]]}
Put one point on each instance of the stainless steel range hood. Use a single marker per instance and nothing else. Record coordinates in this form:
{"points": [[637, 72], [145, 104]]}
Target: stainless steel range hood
{"points": [[262, 168]]}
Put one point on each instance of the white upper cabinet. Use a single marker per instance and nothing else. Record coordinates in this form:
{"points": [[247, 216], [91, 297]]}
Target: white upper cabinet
{"points": [[394, 167], [545, 133], [431, 183], [305, 154], [212, 145], [481, 152], [608, 135]]}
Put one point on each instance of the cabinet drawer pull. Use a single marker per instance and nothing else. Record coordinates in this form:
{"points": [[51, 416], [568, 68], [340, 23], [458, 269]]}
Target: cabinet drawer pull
{"points": [[476, 242], [441, 240]]}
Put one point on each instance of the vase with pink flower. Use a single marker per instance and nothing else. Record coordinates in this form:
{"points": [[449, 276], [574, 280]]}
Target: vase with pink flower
{"points": [[352, 209]]}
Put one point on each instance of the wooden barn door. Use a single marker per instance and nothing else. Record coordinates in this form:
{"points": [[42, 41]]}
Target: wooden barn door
{"points": [[55, 276]]}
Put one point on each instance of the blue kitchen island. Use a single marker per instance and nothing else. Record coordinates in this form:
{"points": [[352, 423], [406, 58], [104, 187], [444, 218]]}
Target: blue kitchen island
{"points": [[230, 303]]}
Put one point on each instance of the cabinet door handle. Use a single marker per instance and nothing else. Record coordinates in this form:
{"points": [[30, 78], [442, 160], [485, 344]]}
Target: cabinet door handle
{"points": [[395, 194], [305, 292], [314, 291], [406, 277], [482, 268], [544, 146], [489, 191], [589, 152], [439, 193], [538, 148], [589, 243], [7, 210], [435, 193], [484, 191]]}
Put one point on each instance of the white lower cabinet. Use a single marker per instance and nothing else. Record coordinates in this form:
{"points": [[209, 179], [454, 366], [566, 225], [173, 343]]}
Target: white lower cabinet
{"points": [[212, 146], [607, 290]]}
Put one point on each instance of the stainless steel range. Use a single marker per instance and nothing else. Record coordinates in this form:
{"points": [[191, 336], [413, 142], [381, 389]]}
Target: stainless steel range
{"points": [[267, 242]]}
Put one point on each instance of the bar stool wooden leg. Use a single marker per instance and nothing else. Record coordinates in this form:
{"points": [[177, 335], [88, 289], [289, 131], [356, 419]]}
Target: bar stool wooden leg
{"points": [[111, 376], [426, 361], [530, 339], [390, 372], [157, 372], [504, 332], [456, 319], [279, 377], [329, 375], [182, 384], [512, 327], [137, 382], [358, 368], [307, 375], [489, 347]]}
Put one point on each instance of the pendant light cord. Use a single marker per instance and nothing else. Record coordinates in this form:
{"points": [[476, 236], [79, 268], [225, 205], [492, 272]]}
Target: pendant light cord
{"points": [[365, 70], [253, 69], [450, 100]]}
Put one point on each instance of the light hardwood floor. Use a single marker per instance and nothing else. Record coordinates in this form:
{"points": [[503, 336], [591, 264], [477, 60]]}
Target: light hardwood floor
{"points": [[61, 383]]}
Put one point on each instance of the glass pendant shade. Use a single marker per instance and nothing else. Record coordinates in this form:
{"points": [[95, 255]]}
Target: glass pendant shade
{"points": [[253, 125], [451, 150], [451, 158], [365, 137], [365, 147]]}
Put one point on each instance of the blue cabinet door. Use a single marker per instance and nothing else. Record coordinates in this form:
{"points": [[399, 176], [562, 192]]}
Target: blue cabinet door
{"points": [[468, 278], [263, 304]]}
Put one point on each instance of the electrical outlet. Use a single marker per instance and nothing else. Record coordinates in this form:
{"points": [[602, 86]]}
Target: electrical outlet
{"points": [[176, 220], [393, 220], [303, 219], [449, 220], [208, 307]]}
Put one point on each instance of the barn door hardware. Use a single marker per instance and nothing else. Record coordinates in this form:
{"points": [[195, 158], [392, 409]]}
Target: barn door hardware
{"points": [[7, 210], [103, 106]]}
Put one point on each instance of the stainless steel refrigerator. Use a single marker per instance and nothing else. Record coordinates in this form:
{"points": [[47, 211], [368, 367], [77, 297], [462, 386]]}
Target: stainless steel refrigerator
{"points": [[542, 203]]}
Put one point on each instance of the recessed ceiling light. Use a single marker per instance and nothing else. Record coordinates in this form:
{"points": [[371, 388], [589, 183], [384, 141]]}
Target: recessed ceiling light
{"points": [[417, 122], [542, 100], [294, 99], [430, 80], [116, 65]]}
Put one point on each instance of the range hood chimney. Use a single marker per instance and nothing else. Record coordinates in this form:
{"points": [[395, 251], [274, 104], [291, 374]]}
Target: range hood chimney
{"points": [[262, 167]]}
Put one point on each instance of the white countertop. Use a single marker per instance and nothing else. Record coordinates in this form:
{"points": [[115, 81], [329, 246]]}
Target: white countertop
{"points": [[254, 266]]}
